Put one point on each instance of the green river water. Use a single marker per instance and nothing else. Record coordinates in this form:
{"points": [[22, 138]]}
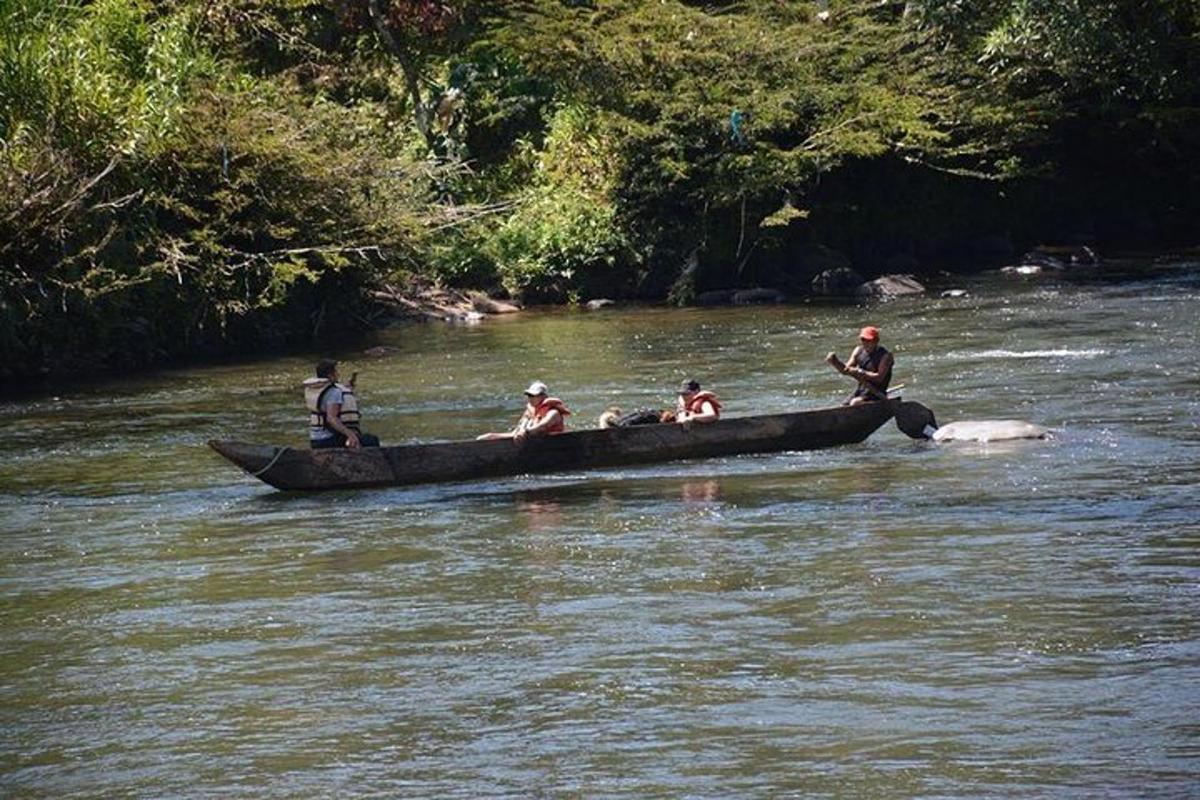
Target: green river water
{"points": [[890, 619]]}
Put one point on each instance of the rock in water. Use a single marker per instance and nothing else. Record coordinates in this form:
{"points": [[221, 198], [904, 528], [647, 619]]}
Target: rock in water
{"points": [[989, 430], [890, 286], [1023, 269], [1085, 256], [1043, 258]]}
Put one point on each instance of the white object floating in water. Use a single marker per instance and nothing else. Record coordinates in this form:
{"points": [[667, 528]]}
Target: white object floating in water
{"points": [[466, 318], [989, 430], [1057, 353]]}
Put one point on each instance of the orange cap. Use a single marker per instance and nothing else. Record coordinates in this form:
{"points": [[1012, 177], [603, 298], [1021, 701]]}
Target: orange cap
{"points": [[870, 333]]}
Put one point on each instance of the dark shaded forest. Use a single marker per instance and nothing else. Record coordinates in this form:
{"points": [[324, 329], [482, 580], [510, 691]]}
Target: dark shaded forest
{"points": [[190, 178]]}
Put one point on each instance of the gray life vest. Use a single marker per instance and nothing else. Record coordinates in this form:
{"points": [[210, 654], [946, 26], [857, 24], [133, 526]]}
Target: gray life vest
{"points": [[318, 420]]}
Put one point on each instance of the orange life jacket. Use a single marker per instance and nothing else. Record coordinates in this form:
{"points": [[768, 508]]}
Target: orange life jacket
{"points": [[696, 404], [545, 407]]}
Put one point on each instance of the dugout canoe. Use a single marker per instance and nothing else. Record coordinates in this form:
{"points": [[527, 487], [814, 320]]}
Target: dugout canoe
{"points": [[301, 469]]}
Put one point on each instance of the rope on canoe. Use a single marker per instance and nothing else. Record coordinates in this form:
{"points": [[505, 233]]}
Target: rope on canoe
{"points": [[271, 463]]}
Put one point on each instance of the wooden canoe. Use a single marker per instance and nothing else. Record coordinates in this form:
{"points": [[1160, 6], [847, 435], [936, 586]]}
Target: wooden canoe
{"points": [[309, 470]]}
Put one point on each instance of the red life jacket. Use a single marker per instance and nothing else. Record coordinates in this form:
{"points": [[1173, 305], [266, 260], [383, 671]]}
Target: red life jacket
{"points": [[545, 407], [696, 404]]}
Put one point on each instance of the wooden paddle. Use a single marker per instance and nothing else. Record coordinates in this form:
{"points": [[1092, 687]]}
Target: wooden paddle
{"points": [[835, 362]]}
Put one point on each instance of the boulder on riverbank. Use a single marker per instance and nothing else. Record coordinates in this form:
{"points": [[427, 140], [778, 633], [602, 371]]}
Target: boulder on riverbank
{"points": [[749, 297], [839, 282], [490, 305], [890, 287]]}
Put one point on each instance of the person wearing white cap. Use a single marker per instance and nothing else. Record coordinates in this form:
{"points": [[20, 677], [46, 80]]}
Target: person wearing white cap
{"points": [[543, 416]]}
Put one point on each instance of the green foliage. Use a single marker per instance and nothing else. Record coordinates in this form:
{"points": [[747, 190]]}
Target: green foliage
{"points": [[104, 78], [165, 203], [1111, 51], [189, 175], [672, 77], [565, 236]]}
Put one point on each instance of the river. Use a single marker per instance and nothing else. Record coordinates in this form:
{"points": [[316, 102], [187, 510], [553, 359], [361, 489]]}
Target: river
{"points": [[890, 619]]}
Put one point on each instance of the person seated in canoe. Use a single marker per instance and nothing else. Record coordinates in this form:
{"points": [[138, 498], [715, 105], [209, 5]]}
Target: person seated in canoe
{"points": [[612, 417], [870, 364], [695, 405], [543, 416], [333, 418]]}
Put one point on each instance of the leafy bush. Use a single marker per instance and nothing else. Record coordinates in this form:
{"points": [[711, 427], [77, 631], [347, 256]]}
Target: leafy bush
{"points": [[165, 204], [566, 237]]}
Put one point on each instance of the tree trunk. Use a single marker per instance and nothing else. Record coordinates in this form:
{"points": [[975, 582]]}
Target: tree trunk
{"points": [[421, 109]]}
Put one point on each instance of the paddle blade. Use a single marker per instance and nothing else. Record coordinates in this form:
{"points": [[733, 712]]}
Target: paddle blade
{"points": [[915, 420]]}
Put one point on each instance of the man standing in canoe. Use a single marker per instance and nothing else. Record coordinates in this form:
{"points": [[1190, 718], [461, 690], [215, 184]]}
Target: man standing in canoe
{"points": [[543, 416], [870, 365], [695, 405], [333, 418]]}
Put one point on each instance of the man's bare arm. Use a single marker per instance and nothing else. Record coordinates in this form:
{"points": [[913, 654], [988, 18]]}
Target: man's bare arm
{"points": [[539, 428], [875, 378], [333, 415]]}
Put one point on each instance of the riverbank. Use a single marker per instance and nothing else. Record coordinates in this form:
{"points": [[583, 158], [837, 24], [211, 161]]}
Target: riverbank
{"points": [[393, 314]]}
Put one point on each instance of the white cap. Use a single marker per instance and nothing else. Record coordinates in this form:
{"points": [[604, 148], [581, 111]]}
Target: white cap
{"points": [[537, 387]]}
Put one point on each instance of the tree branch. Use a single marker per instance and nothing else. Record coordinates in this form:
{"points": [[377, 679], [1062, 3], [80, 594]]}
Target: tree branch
{"points": [[421, 110]]}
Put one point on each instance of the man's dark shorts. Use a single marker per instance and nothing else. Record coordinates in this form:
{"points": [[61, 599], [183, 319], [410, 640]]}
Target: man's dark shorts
{"points": [[337, 440]]}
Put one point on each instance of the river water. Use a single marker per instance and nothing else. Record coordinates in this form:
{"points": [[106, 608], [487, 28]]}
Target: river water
{"points": [[891, 619]]}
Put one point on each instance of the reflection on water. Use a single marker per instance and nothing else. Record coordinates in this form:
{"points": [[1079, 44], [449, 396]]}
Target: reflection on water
{"points": [[701, 491], [893, 618], [537, 514]]}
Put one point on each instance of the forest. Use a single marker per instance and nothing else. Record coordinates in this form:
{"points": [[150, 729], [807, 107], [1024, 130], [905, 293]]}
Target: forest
{"points": [[193, 178]]}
